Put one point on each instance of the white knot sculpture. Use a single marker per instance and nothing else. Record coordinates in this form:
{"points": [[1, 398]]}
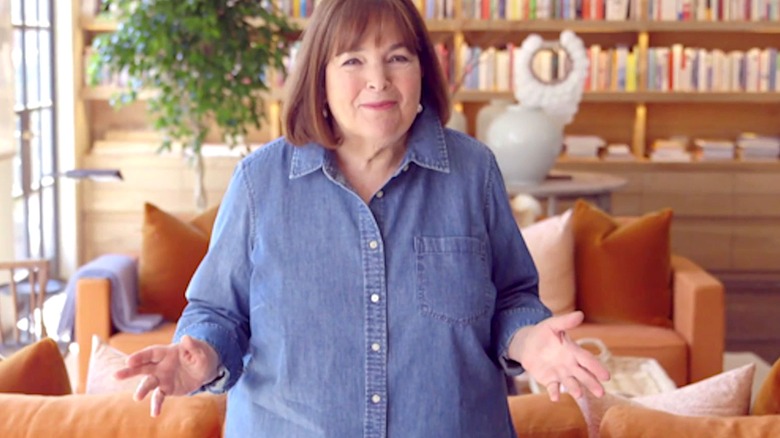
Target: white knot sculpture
{"points": [[560, 99]]}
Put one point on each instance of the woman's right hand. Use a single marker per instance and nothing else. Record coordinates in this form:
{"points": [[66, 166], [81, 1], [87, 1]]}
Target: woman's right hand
{"points": [[174, 369]]}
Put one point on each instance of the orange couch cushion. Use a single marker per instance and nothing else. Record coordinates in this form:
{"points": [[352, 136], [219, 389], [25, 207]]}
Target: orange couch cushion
{"points": [[35, 369], [664, 345], [534, 415], [623, 270], [627, 421], [767, 400], [131, 342], [109, 415], [171, 250]]}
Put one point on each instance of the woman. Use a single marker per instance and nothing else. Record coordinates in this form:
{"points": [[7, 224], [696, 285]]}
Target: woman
{"points": [[365, 275]]}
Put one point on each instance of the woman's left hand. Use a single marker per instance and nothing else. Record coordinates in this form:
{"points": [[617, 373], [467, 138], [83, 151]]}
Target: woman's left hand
{"points": [[552, 359]]}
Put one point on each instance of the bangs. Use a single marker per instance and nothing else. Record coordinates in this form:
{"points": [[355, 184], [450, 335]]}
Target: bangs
{"points": [[357, 19]]}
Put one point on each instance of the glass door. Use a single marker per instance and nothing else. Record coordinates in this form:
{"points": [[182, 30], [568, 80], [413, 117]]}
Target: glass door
{"points": [[34, 188]]}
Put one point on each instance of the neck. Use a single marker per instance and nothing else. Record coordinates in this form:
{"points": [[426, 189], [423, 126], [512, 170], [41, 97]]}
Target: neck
{"points": [[367, 167], [370, 157]]}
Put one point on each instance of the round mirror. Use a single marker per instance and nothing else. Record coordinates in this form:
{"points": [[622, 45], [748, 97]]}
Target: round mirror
{"points": [[551, 65]]}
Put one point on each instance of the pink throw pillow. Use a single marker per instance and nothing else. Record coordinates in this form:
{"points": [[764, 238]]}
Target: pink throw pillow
{"points": [[551, 244]]}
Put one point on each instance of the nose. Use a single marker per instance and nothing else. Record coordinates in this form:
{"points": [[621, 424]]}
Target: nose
{"points": [[377, 79]]}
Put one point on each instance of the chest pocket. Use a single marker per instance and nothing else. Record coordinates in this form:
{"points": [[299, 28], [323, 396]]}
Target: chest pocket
{"points": [[453, 278]]}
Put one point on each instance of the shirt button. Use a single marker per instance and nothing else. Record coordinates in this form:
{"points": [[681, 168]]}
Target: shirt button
{"points": [[376, 398], [379, 194], [373, 244], [406, 168], [375, 346], [374, 298]]}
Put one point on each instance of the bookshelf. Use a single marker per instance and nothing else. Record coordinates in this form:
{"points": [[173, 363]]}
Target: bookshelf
{"points": [[642, 103], [725, 214]]}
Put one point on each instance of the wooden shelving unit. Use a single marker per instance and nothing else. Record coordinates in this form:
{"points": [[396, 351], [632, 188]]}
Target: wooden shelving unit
{"points": [[726, 213]]}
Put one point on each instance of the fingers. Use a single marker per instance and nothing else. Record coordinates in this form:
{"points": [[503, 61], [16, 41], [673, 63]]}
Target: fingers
{"points": [[147, 384], [125, 373], [554, 390], [592, 364], [152, 354], [158, 397], [567, 321]]}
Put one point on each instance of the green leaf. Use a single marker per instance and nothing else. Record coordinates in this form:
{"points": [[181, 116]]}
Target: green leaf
{"points": [[202, 56]]}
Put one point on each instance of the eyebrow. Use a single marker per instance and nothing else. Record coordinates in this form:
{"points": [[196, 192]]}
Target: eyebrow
{"points": [[393, 47]]}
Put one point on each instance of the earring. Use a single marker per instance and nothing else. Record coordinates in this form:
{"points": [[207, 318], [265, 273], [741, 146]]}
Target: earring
{"points": [[325, 112], [419, 108]]}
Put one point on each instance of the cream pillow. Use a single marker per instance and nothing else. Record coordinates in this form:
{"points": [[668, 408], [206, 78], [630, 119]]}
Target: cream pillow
{"points": [[724, 395], [103, 363], [551, 244]]}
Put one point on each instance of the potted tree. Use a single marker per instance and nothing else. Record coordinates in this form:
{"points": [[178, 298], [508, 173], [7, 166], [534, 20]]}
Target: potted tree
{"points": [[207, 62]]}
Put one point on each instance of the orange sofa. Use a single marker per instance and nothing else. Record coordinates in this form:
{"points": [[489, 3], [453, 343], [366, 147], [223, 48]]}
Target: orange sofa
{"points": [[689, 351], [689, 346], [35, 400]]}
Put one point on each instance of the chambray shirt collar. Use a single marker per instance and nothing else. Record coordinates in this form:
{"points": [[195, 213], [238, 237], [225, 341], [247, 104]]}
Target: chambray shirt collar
{"points": [[426, 147]]}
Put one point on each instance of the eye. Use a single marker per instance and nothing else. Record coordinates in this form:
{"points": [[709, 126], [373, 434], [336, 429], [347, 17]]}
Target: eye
{"points": [[351, 61], [399, 58]]}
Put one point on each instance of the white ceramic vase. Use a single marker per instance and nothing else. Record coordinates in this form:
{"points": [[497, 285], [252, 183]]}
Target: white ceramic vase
{"points": [[526, 143], [487, 114]]}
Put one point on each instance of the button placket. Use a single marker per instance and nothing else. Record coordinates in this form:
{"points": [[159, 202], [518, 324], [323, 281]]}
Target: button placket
{"points": [[376, 325]]}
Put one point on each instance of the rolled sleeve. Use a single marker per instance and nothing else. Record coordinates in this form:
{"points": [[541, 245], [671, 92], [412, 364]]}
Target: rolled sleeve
{"points": [[514, 274], [218, 294], [506, 324], [219, 338]]}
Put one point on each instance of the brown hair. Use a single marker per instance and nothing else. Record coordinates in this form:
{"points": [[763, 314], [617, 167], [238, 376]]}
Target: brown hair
{"points": [[340, 25]]}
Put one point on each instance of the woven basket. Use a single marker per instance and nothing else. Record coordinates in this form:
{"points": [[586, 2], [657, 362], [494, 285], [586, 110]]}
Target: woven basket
{"points": [[631, 376]]}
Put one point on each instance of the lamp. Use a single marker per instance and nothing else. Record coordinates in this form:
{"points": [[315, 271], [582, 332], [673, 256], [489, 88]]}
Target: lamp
{"points": [[93, 174]]}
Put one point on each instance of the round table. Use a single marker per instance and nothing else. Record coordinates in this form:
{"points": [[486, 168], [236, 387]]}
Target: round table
{"points": [[596, 187]]}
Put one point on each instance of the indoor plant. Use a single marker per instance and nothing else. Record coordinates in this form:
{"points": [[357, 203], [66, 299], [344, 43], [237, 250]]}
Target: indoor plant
{"points": [[206, 60]]}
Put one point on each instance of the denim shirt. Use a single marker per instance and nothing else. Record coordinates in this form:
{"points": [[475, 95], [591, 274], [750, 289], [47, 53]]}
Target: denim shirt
{"points": [[334, 317]]}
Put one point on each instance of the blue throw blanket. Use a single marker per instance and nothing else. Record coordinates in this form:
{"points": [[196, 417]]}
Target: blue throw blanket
{"points": [[122, 272]]}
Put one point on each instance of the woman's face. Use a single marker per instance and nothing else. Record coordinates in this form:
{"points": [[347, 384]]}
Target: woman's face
{"points": [[373, 91]]}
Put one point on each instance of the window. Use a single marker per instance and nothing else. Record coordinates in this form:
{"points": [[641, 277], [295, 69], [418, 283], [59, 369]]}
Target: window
{"points": [[34, 188]]}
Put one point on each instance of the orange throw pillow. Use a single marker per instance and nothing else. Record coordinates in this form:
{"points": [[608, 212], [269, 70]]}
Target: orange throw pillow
{"points": [[35, 369], [171, 250], [623, 269], [767, 400]]}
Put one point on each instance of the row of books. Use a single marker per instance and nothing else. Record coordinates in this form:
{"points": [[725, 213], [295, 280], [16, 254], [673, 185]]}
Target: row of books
{"points": [[663, 10], [746, 147], [714, 10], [657, 10], [688, 69], [534, 9], [676, 68]]}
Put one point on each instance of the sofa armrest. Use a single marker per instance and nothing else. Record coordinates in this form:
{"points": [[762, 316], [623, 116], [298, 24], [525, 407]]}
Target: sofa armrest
{"points": [[93, 317], [699, 317], [535, 416]]}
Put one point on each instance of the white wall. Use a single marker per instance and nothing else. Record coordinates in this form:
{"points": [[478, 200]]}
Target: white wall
{"points": [[6, 150]]}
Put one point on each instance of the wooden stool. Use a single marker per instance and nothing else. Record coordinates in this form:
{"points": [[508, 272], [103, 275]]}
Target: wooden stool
{"points": [[37, 278]]}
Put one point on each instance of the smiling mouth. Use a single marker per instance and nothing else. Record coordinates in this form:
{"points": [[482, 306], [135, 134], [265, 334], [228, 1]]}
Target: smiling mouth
{"points": [[379, 106]]}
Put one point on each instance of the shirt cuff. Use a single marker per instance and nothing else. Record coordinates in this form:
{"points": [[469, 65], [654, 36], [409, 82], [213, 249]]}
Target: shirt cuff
{"points": [[508, 323], [219, 384], [219, 339]]}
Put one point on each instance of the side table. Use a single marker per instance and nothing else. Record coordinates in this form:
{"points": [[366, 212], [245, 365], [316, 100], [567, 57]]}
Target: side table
{"points": [[596, 187]]}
